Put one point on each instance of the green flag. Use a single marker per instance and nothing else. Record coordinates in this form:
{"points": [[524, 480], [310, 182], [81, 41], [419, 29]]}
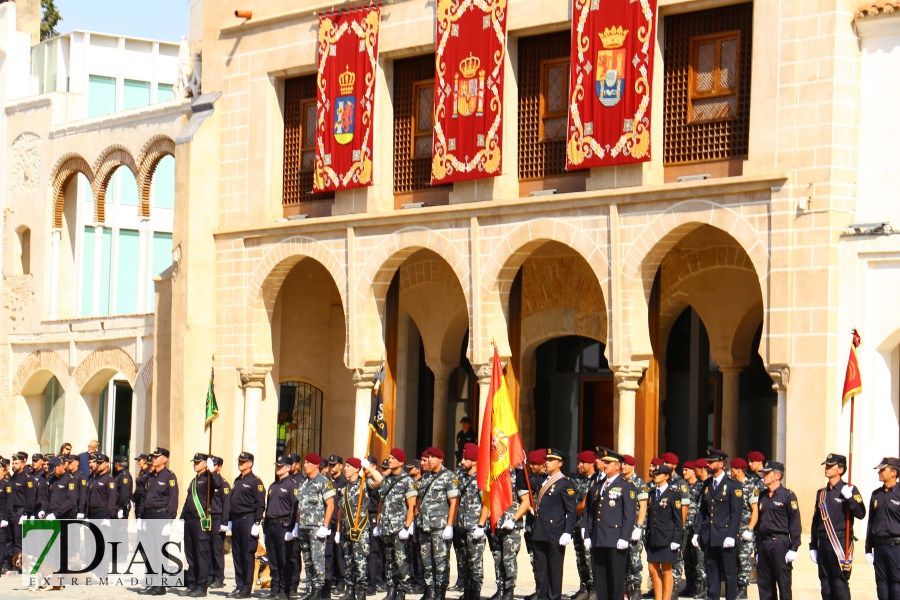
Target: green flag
{"points": [[212, 408]]}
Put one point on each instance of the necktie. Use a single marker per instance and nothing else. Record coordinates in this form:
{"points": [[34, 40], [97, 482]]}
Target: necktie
{"points": [[658, 494], [715, 486]]}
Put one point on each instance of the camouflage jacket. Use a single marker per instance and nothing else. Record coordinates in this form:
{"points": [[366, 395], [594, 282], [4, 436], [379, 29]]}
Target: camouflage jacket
{"points": [[469, 502], [682, 488], [350, 502], [696, 490], [751, 497], [394, 491], [311, 497], [435, 493]]}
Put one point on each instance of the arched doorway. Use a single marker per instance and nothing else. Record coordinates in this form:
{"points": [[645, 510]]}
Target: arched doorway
{"points": [[109, 399]]}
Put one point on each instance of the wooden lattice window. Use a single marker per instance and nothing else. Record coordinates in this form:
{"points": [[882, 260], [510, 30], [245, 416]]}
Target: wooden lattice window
{"points": [[543, 59], [554, 99], [707, 85], [300, 141], [423, 118], [713, 80]]}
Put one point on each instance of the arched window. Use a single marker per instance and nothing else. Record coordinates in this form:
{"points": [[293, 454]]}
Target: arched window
{"points": [[22, 252], [299, 427], [54, 407]]}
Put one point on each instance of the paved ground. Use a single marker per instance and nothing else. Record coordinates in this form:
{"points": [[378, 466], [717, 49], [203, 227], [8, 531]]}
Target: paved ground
{"points": [[806, 583]]}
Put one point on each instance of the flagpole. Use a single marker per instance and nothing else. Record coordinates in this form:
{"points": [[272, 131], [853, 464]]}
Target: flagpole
{"points": [[209, 453], [848, 539]]}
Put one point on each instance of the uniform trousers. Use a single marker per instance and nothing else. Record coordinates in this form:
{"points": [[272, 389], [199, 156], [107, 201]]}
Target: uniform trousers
{"points": [[504, 545], [396, 562], [356, 555], [335, 566], [548, 562], [196, 550], [243, 552], [470, 566], [416, 570], [312, 549], [834, 583], [609, 572], [376, 555], [5, 543], [16, 541], [773, 574], [887, 571], [217, 550], [279, 553], [721, 562], [435, 552]]}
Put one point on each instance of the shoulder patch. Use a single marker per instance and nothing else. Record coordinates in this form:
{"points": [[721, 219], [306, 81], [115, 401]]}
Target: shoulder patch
{"points": [[9, 489], [171, 483], [112, 485], [570, 491], [71, 486], [84, 482], [259, 487], [328, 485], [738, 493], [858, 498], [631, 493], [30, 484], [226, 490], [415, 486], [456, 482], [678, 504], [684, 488], [125, 480], [794, 505]]}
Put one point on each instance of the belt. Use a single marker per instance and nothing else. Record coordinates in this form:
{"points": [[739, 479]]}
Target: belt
{"points": [[772, 536], [878, 540], [153, 511], [242, 515]]}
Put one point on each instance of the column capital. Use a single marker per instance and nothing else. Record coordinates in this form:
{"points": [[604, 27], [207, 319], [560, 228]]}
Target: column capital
{"points": [[726, 369], [483, 371], [628, 376], [441, 371], [364, 377], [255, 376], [781, 376]]}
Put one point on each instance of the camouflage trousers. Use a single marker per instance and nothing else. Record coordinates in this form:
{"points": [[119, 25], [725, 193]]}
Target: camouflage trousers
{"points": [[435, 552], [583, 560], [746, 550], [356, 555], [470, 562], [312, 550], [504, 545], [396, 562], [634, 568], [459, 550], [695, 566]]}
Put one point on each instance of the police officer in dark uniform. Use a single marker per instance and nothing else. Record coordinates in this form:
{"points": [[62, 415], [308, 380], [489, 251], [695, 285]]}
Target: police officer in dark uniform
{"points": [[125, 483], [778, 535], [465, 435], [72, 463], [554, 523], [198, 526], [296, 565], [535, 479], [140, 483], [721, 504], [883, 531], [21, 499], [5, 526], [62, 493], [38, 473], [280, 523], [248, 503], [219, 508], [102, 497], [160, 501], [840, 502]]}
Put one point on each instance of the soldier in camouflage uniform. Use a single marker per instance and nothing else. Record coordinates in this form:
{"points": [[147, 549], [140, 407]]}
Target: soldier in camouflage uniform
{"points": [[678, 484], [315, 502], [470, 526], [634, 569], [353, 532], [506, 538], [395, 519], [755, 462], [694, 560], [582, 484], [437, 505], [459, 536], [749, 515]]}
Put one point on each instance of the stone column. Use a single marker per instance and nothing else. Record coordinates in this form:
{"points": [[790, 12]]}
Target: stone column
{"points": [[253, 380], [98, 262], [731, 407], [55, 238], [363, 381], [483, 373], [781, 376], [442, 372], [627, 378]]}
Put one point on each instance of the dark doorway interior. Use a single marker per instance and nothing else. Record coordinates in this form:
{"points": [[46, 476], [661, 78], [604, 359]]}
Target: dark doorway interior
{"points": [[122, 418], [425, 421], [758, 405]]}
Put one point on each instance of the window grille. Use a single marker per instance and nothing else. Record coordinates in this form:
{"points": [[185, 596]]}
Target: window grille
{"points": [[423, 119], [300, 141], [554, 99], [303, 430], [713, 77]]}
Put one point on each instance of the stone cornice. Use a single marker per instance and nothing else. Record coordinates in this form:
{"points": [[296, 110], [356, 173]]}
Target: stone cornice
{"points": [[173, 108]]}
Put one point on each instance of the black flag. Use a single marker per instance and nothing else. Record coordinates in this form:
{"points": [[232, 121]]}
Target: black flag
{"points": [[376, 416]]}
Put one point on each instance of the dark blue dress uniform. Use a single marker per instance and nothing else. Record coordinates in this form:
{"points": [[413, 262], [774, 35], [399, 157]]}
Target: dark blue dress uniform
{"points": [[63, 496], [665, 525], [197, 526], [778, 532], [219, 508], [161, 500], [555, 514], [102, 496], [610, 516], [883, 535], [281, 517], [833, 580], [81, 486], [721, 503], [5, 532], [125, 483], [248, 503]]}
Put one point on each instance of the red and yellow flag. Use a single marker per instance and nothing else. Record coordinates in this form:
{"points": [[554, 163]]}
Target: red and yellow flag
{"points": [[500, 447], [852, 379]]}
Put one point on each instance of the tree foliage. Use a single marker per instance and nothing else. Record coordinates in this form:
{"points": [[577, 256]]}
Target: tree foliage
{"points": [[49, 18]]}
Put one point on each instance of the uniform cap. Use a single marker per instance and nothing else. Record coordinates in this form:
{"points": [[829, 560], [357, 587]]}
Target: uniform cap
{"points": [[101, 458], [217, 460], [283, 461], [587, 456], [354, 462], [73, 458], [689, 465], [555, 454], [294, 457], [385, 464], [537, 456], [713, 455], [738, 463], [470, 451], [120, 459], [413, 464], [599, 450], [37, 456], [399, 454], [4, 463], [655, 462], [93, 455], [20, 456], [160, 452], [701, 463], [670, 457], [54, 462], [313, 458], [663, 470], [334, 459], [772, 466], [434, 451], [200, 457], [889, 461], [611, 456], [142, 457], [245, 456], [836, 459], [755, 456]]}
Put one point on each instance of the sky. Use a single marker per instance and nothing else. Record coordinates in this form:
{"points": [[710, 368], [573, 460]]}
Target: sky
{"points": [[165, 20]]}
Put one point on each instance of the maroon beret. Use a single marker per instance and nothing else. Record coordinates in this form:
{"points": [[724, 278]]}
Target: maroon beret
{"points": [[738, 463], [701, 463], [537, 456], [470, 451], [313, 458], [587, 456], [354, 462], [656, 462], [399, 454], [670, 457], [755, 456], [435, 452], [630, 460], [689, 465]]}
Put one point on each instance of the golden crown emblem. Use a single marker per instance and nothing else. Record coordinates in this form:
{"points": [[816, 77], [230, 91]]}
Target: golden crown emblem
{"points": [[469, 66], [346, 81], [613, 37]]}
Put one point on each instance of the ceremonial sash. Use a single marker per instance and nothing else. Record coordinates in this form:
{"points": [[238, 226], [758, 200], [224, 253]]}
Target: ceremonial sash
{"points": [[205, 521], [547, 485], [846, 562]]}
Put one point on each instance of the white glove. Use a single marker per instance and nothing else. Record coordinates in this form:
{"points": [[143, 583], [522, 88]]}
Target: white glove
{"points": [[847, 491], [104, 523], [41, 514], [228, 527], [695, 541], [254, 531], [296, 531], [4, 523], [587, 543], [179, 526], [167, 529], [508, 525], [411, 528], [21, 519], [636, 534], [565, 539], [131, 506], [79, 516], [447, 534], [790, 557], [223, 528], [337, 537], [288, 536], [728, 543], [209, 464], [120, 514], [376, 532], [140, 525], [478, 533], [674, 546], [747, 536], [583, 534], [814, 556], [404, 534], [364, 463], [870, 558], [621, 544], [31, 518], [323, 532]]}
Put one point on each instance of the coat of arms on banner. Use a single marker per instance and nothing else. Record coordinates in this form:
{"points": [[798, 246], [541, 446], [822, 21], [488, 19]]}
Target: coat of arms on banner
{"points": [[468, 92], [611, 66], [345, 109]]}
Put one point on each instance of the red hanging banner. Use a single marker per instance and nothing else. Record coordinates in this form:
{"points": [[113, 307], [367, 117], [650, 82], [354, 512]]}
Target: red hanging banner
{"points": [[348, 57], [468, 90], [613, 44]]}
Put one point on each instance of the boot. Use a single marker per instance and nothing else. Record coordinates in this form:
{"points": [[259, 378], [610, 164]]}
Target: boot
{"points": [[579, 595], [391, 593], [458, 586], [325, 591], [634, 593], [361, 593], [742, 592], [499, 593], [507, 594], [316, 593], [401, 595], [475, 593], [701, 592], [349, 593], [442, 594]]}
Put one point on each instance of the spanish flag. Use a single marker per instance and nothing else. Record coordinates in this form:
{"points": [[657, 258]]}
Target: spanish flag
{"points": [[852, 379], [500, 447]]}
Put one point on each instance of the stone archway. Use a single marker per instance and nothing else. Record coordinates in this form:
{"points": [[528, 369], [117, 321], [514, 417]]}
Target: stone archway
{"points": [[68, 166], [107, 163], [156, 148], [108, 357], [39, 360]]}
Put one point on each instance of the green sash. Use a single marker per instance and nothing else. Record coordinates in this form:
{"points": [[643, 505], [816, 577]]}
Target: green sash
{"points": [[205, 521]]}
